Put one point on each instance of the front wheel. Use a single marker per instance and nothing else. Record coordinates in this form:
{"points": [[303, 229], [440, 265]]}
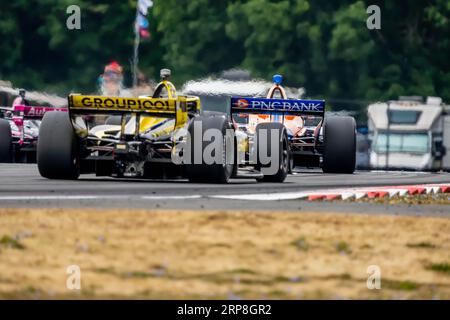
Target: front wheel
{"points": [[57, 149]]}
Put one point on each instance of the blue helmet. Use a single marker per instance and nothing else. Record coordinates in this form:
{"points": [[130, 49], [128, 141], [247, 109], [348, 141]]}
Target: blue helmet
{"points": [[277, 79]]}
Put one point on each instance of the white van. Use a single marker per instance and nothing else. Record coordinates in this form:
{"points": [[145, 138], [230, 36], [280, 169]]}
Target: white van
{"points": [[410, 134]]}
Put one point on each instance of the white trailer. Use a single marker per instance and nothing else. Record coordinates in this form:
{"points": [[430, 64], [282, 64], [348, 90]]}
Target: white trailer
{"points": [[410, 134]]}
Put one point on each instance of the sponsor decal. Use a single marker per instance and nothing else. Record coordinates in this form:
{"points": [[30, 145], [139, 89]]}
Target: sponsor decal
{"points": [[242, 103], [278, 105], [126, 104], [37, 112]]}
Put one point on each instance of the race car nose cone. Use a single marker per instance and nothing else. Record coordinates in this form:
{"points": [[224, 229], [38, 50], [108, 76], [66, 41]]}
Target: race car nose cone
{"points": [[278, 79]]}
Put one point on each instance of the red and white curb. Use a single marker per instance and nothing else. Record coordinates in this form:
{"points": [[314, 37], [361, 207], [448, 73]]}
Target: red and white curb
{"points": [[345, 193], [311, 195]]}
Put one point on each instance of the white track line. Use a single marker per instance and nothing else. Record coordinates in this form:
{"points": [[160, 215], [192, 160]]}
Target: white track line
{"points": [[265, 196], [171, 197], [25, 198]]}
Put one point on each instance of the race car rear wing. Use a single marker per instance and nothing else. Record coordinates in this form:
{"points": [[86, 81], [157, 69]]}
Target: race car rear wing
{"points": [[158, 107], [28, 112], [33, 112], [277, 106]]}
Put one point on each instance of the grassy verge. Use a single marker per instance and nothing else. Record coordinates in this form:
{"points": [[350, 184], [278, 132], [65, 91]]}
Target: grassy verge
{"points": [[221, 255]]}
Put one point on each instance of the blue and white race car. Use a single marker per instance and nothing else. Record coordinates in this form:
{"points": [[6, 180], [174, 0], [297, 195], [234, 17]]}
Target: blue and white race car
{"points": [[273, 134], [311, 138]]}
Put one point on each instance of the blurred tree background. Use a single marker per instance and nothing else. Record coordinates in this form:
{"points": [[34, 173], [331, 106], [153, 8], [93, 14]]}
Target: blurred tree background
{"points": [[321, 45]]}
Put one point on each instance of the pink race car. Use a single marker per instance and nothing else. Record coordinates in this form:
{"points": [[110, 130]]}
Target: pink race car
{"points": [[19, 132]]}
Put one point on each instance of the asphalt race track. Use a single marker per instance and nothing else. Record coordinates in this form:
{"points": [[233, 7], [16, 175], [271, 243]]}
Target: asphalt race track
{"points": [[22, 186]]}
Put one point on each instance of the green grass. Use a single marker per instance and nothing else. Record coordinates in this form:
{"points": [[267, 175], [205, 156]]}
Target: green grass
{"points": [[301, 244], [345, 276], [440, 267], [424, 245], [241, 271], [343, 247], [105, 270], [9, 242], [399, 285], [138, 274]]}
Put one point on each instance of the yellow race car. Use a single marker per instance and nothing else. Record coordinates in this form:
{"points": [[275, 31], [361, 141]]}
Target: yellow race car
{"points": [[115, 136]]}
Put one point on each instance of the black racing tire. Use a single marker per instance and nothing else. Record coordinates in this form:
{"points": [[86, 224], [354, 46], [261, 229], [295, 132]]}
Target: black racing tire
{"points": [[291, 163], [216, 172], [6, 151], [339, 153], [57, 149], [283, 149]]}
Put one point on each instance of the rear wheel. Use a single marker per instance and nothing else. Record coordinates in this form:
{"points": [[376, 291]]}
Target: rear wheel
{"points": [[57, 149], [6, 152], [203, 170], [281, 155], [339, 154]]}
